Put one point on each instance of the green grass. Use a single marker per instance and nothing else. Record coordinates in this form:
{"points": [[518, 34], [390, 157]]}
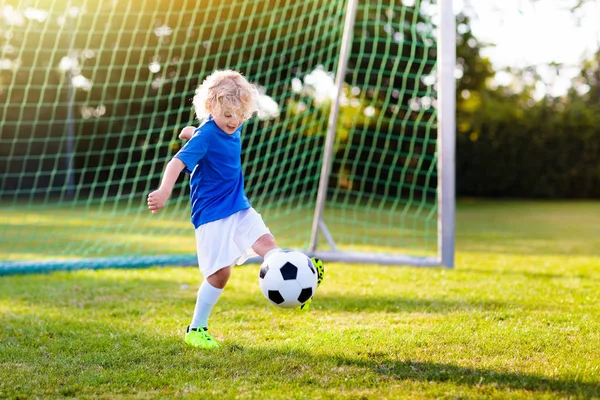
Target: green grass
{"points": [[60, 231], [519, 317]]}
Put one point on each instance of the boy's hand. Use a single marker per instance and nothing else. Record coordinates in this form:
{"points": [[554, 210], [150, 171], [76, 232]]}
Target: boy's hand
{"points": [[187, 133], [157, 200]]}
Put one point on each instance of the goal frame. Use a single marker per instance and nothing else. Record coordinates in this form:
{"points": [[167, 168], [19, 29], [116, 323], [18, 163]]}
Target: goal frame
{"points": [[446, 144], [446, 61]]}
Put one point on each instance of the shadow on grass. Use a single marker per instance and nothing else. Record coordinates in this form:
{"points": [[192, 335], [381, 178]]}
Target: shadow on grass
{"points": [[77, 358]]}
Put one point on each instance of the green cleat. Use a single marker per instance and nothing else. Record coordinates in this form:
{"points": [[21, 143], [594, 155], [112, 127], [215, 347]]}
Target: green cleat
{"points": [[199, 337], [320, 270], [320, 267], [305, 306]]}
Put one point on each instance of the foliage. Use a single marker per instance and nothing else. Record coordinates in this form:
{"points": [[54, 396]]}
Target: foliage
{"points": [[508, 142], [511, 145]]}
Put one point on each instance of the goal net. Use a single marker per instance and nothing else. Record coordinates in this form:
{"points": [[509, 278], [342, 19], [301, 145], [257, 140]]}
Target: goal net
{"points": [[94, 94]]}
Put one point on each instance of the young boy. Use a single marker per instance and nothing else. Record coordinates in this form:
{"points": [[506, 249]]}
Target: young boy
{"points": [[228, 229]]}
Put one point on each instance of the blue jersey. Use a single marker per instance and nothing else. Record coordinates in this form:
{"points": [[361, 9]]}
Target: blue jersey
{"points": [[213, 160]]}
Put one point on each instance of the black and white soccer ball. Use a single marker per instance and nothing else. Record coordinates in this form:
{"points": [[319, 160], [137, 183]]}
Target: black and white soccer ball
{"points": [[288, 279]]}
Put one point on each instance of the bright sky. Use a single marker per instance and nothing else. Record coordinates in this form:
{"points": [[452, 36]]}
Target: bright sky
{"points": [[528, 32]]}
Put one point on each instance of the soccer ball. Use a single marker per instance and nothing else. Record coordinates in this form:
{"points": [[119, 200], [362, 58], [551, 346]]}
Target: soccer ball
{"points": [[288, 279]]}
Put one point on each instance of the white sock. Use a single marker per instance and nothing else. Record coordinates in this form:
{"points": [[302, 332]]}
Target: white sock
{"points": [[271, 252], [208, 295]]}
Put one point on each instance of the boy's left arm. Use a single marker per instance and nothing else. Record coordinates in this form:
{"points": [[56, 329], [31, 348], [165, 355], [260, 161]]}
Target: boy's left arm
{"points": [[187, 133]]}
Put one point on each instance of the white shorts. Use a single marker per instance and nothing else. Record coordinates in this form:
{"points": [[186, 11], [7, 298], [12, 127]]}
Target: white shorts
{"points": [[228, 241]]}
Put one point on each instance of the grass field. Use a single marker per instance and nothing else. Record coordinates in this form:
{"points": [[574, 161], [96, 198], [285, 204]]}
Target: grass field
{"points": [[519, 317]]}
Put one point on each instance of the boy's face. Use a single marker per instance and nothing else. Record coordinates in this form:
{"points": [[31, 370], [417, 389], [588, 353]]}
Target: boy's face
{"points": [[228, 122]]}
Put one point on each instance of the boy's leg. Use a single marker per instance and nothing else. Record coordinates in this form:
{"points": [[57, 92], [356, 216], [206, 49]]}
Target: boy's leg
{"points": [[208, 295], [214, 248], [265, 246]]}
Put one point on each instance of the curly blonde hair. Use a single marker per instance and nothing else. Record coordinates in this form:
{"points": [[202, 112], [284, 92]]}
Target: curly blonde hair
{"points": [[226, 91]]}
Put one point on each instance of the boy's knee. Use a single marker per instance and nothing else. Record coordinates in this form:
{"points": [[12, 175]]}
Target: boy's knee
{"points": [[266, 240], [219, 279], [264, 244]]}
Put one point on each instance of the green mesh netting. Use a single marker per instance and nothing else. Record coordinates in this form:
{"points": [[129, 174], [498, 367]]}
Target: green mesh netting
{"points": [[95, 93]]}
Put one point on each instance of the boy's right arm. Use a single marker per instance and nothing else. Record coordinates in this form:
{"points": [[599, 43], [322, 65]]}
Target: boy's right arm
{"points": [[158, 198]]}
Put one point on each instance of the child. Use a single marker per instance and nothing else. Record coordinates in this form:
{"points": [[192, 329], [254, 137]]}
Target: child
{"points": [[228, 229]]}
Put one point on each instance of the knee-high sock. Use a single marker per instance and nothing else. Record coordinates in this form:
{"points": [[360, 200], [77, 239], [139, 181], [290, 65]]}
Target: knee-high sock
{"points": [[208, 295]]}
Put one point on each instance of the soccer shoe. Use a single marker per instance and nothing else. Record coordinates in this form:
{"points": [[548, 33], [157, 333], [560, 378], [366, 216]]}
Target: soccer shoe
{"points": [[199, 337], [305, 306], [320, 267], [320, 270]]}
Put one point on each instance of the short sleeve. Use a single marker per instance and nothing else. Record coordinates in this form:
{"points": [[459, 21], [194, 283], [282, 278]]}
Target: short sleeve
{"points": [[194, 150]]}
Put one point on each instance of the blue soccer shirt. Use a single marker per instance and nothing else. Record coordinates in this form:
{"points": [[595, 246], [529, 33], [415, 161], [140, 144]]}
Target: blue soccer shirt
{"points": [[213, 160]]}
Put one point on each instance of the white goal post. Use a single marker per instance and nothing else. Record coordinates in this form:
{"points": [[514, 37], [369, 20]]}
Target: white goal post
{"points": [[446, 60]]}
